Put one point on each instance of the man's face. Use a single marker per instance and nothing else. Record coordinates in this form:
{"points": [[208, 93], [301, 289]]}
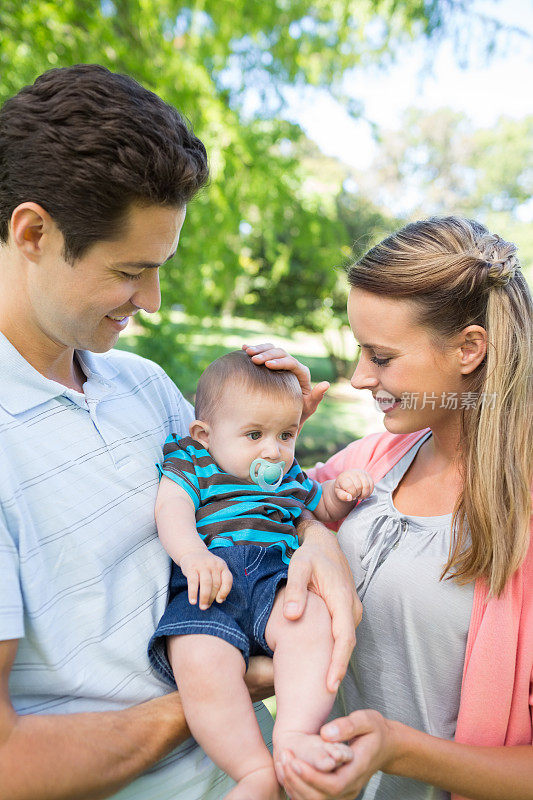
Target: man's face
{"points": [[86, 305]]}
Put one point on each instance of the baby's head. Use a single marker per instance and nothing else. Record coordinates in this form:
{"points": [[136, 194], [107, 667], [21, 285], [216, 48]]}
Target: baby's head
{"points": [[246, 411]]}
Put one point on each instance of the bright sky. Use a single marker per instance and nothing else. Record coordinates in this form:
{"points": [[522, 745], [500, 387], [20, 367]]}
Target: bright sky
{"points": [[483, 91]]}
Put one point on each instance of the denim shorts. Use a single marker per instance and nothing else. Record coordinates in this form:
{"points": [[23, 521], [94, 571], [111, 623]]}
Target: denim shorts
{"points": [[240, 620]]}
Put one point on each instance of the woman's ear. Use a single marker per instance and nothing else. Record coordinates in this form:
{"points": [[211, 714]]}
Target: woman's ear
{"points": [[473, 348], [199, 431]]}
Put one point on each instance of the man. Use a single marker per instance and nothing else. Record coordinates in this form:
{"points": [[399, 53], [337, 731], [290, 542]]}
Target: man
{"points": [[95, 175]]}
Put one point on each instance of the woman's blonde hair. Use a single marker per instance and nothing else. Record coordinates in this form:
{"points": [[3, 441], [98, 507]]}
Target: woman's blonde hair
{"points": [[456, 274]]}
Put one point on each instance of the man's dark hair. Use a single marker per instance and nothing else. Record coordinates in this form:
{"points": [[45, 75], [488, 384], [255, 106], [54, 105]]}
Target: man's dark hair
{"points": [[236, 369], [85, 144]]}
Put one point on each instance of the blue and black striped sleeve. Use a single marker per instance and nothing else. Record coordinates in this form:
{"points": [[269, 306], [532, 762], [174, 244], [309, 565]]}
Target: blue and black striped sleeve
{"points": [[179, 465], [310, 491]]}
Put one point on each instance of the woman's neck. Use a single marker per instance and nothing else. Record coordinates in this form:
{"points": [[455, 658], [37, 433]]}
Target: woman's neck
{"points": [[443, 447]]}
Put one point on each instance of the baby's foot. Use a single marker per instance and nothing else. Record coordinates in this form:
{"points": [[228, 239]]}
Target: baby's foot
{"points": [[325, 756], [261, 784]]}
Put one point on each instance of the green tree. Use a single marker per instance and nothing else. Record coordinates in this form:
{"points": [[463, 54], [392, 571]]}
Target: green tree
{"points": [[302, 281], [439, 163], [225, 64]]}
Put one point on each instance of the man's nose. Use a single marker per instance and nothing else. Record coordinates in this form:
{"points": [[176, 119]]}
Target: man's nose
{"points": [[148, 295]]}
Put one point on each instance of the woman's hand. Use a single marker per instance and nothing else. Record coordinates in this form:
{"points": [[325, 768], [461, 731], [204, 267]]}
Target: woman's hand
{"points": [[319, 565], [374, 742], [277, 358]]}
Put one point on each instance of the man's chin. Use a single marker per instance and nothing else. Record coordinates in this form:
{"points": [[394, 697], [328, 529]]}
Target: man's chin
{"points": [[98, 345]]}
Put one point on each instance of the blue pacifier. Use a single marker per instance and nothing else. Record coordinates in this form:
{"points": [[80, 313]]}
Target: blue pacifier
{"points": [[266, 474]]}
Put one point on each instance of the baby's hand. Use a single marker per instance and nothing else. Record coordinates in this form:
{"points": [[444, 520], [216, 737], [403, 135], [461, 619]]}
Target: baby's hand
{"points": [[209, 574], [354, 484]]}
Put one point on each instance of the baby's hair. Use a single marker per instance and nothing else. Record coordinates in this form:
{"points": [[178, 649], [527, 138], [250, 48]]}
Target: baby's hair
{"points": [[237, 370]]}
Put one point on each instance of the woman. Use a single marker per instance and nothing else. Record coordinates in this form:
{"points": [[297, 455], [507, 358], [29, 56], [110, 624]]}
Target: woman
{"points": [[437, 699]]}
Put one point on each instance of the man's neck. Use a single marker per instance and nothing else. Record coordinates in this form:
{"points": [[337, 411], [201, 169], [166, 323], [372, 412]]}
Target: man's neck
{"points": [[55, 362], [51, 358]]}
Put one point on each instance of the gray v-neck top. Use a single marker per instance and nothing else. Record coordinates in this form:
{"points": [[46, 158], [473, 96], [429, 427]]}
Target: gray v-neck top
{"points": [[408, 660]]}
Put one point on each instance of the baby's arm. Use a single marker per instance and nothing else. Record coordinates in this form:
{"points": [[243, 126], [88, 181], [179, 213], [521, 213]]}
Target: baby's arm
{"points": [[206, 573], [340, 495]]}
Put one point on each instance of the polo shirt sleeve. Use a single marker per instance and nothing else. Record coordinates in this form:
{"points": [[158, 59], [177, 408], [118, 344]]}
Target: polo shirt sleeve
{"points": [[310, 491], [179, 465], [11, 606]]}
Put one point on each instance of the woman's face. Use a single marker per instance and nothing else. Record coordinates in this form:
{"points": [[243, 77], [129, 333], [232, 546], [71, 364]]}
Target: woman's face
{"points": [[415, 383]]}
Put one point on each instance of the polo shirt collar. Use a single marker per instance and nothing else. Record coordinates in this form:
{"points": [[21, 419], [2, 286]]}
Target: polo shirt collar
{"points": [[23, 388]]}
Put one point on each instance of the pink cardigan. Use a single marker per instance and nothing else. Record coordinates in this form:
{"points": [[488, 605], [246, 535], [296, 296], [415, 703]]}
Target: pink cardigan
{"points": [[497, 689]]}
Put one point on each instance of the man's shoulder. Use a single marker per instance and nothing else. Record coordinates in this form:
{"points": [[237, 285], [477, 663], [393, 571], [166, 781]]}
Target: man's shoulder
{"points": [[131, 371], [134, 376], [123, 362]]}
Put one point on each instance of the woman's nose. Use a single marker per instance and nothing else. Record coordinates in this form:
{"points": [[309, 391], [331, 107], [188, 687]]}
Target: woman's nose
{"points": [[363, 376]]}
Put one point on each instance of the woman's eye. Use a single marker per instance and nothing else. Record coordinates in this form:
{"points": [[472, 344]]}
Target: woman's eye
{"points": [[381, 362], [132, 277], [254, 435]]}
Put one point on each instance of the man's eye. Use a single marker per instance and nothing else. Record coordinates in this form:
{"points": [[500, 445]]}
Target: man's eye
{"points": [[381, 362], [254, 435], [132, 277]]}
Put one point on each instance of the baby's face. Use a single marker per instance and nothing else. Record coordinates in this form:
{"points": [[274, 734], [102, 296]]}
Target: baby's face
{"points": [[250, 425]]}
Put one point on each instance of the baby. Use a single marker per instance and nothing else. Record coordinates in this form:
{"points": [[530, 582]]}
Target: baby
{"points": [[228, 503]]}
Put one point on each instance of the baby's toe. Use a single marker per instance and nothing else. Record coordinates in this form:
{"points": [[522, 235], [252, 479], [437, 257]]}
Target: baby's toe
{"points": [[322, 760], [339, 752]]}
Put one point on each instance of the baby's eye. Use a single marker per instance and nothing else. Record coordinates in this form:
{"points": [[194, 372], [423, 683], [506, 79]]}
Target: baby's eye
{"points": [[286, 435], [254, 435], [381, 362]]}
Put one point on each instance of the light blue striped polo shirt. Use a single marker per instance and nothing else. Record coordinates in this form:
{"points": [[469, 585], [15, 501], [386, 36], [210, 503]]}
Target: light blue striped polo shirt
{"points": [[84, 577]]}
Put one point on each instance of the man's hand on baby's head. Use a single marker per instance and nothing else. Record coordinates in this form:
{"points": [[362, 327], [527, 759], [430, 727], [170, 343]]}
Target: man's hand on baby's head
{"points": [[208, 577], [353, 484]]}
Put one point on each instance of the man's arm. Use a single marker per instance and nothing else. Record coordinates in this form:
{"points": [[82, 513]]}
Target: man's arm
{"points": [[81, 756]]}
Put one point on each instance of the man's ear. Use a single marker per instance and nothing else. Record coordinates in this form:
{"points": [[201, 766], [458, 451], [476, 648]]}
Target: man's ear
{"points": [[30, 226], [199, 431]]}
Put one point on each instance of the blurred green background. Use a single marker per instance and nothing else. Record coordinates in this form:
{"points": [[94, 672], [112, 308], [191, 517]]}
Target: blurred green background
{"points": [[264, 246]]}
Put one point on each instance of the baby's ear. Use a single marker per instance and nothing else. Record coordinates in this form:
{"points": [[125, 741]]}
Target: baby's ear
{"points": [[199, 431]]}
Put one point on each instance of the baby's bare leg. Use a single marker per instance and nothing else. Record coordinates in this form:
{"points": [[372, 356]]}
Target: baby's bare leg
{"points": [[302, 654], [209, 673]]}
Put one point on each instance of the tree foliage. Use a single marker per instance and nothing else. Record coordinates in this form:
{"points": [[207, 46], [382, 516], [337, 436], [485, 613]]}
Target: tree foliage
{"points": [[440, 163], [255, 240]]}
